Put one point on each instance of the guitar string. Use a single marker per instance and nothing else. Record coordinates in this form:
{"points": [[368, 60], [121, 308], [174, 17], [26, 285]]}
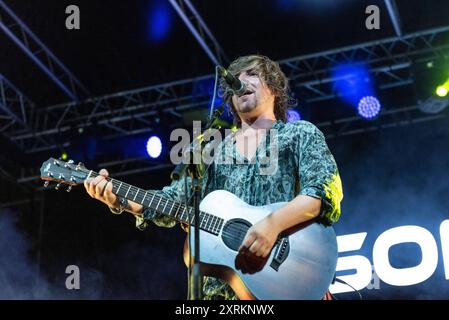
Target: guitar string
{"points": [[237, 231]]}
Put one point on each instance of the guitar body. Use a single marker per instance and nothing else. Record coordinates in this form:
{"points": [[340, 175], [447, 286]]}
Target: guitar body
{"points": [[300, 266]]}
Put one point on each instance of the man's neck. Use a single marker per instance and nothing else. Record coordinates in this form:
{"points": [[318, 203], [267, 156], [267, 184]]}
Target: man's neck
{"points": [[260, 122]]}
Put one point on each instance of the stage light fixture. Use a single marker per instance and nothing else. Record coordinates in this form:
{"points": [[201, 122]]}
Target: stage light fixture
{"points": [[443, 89], [159, 21], [293, 115], [154, 147], [352, 82], [369, 107]]}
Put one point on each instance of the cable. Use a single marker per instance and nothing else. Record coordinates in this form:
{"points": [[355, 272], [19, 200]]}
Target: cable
{"points": [[344, 282], [211, 108]]}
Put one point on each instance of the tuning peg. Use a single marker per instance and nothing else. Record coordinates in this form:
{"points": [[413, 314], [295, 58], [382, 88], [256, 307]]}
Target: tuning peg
{"points": [[79, 165], [69, 188], [61, 176], [58, 186], [68, 163], [46, 183], [50, 175]]}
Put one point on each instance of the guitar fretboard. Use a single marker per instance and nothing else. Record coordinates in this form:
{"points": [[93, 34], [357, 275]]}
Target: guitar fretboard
{"points": [[153, 200]]}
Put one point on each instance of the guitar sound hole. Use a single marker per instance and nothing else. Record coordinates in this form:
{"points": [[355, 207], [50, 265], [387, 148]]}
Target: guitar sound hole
{"points": [[234, 232]]}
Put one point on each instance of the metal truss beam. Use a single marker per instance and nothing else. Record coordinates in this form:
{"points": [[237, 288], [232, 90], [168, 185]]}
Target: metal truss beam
{"points": [[120, 114], [338, 128], [17, 112], [397, 117], [129, 112], [373, 53], [22, 36], [200, 31], [16, 109], [388, 59]]}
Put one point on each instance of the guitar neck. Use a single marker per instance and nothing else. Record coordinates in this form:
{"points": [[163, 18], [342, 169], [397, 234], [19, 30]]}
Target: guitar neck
{"points": [[163, 205]]}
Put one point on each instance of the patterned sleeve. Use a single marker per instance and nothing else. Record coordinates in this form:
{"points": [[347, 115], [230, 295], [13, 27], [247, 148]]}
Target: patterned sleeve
{"points": [[175, 192], [318, 172]]}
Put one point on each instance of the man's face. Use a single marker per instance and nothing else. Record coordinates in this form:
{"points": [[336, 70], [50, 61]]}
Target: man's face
{"points": [[258, 97]]}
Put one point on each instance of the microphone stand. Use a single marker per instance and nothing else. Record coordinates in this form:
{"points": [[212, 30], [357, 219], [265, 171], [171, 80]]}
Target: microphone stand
{"points": [[196, 173]]}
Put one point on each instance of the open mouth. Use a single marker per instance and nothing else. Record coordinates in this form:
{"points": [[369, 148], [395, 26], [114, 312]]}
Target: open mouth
{"points": [[247, 93]]}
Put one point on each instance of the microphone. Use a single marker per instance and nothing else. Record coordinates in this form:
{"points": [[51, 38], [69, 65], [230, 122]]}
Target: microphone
{"points": [[237, 86]]}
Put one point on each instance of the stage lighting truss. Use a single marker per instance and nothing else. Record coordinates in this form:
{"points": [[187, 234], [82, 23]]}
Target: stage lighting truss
{"points": [[127, 113]]}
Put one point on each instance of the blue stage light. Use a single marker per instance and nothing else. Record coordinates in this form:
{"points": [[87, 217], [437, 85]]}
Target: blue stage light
{"points": [[159, 21], [154, 147], [293, 116], [352, 82], [369, 107]]}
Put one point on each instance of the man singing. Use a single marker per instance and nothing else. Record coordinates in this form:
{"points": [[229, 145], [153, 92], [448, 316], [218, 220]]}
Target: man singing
{"points": [[304, 175]]}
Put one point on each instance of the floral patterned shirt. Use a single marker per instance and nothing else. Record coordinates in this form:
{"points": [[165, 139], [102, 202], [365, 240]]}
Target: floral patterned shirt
{"points": [[304, 165]]}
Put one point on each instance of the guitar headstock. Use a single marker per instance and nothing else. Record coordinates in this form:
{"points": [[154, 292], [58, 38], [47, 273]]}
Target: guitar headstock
{"points": [[63, 172]]}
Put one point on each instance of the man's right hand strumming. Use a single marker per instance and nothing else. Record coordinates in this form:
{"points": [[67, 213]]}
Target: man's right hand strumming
{"points": [[101, 189]]}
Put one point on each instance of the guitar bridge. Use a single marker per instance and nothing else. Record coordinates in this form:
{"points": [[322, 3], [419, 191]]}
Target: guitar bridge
{"points": [[281, 253]]}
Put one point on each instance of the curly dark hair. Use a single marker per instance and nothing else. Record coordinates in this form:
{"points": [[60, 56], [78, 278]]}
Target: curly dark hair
{"points": [[269, 72]]}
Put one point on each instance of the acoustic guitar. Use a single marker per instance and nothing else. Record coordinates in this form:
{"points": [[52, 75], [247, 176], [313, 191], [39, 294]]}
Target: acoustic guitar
{"points": [[301, 264]]}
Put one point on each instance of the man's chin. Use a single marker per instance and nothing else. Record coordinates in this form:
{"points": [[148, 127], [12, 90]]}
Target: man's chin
{"points": [[246, 108]]}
